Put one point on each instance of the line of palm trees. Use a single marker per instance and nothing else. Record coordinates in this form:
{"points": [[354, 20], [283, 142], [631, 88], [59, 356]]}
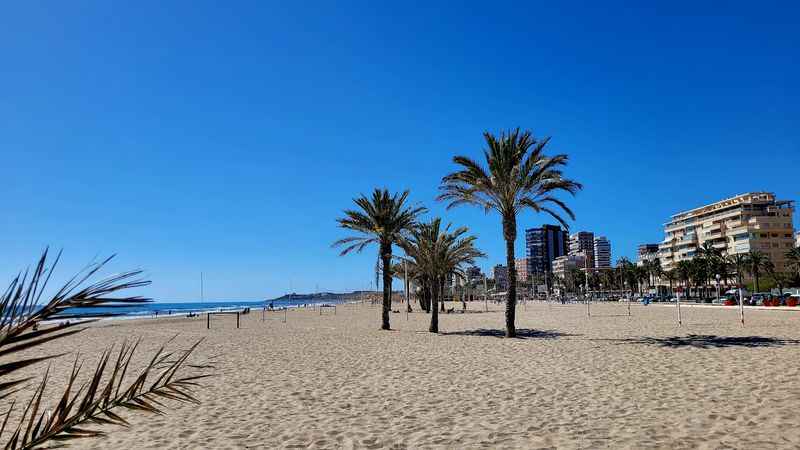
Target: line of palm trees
{"points": [[700, 273], [518, 175]]}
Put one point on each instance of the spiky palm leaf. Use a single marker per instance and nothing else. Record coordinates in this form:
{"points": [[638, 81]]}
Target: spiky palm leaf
{"points": [[518, 176], [21, 316]]}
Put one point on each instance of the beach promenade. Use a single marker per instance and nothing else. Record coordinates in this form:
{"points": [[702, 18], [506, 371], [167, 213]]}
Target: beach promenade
{"points": [[569, 381]]}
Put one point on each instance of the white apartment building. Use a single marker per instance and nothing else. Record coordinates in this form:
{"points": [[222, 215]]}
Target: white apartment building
{"points": [[602, 253], [582, 243], [563, 264], [751, 221]]}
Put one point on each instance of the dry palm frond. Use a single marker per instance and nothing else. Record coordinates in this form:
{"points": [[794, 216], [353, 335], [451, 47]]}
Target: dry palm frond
{"points": [[21, 313], [98, 403]]}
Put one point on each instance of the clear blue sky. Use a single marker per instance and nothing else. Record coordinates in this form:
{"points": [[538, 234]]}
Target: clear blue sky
{"points": [[196, 137]]}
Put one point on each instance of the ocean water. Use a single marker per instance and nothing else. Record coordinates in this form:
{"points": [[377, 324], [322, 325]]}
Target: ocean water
{"points": [[182, 308]]}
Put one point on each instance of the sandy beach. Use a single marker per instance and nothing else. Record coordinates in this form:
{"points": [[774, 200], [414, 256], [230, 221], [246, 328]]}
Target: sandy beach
{"points": [[571, 381]]}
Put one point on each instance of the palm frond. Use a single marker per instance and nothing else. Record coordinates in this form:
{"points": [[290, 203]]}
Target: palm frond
{"points": [[91, 405], [21, 316], [20, 311]]}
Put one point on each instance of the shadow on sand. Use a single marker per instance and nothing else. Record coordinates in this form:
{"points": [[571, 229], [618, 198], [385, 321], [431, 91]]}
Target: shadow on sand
{"points": [[522, 333], [708, 341]]}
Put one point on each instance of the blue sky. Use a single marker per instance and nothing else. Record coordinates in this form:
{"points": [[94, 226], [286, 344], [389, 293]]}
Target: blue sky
{"points": [[189, 136]]}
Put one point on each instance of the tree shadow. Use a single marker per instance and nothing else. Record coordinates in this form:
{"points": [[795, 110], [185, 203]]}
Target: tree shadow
{"points": [[522, 333], [706, 341]]}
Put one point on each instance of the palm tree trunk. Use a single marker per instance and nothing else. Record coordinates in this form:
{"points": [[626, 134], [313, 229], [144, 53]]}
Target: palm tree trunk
{"points": [[441, 289], [424, 295], [510, 235], [434, 328], [386, 256]]}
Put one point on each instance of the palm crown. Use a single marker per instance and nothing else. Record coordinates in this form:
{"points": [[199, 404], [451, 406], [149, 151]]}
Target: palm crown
{"points": [[382, 220], [519, 176]]}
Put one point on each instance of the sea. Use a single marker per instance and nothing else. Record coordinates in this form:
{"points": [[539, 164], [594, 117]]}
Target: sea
{"points": [[158, 309]]}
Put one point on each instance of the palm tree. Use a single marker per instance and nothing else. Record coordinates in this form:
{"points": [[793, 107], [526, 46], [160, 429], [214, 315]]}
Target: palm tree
{"points": [[711, 258], [381, 220], [658, 272], [778, 277], [756, 262], [439, 253], [684, 273], [626, 273], [518, 176], [699, 274], [793, 259], [738, 262], [670, 276], [642, 276]]}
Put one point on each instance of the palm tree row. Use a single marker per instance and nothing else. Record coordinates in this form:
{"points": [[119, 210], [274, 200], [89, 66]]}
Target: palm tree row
{"points": [[518, 175], [701, 271]]}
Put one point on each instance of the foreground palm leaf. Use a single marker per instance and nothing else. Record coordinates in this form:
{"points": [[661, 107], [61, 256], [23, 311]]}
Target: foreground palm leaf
{"points": [[20, 311], [98, 403], [21, 328], [382, 220], [519, 176]]}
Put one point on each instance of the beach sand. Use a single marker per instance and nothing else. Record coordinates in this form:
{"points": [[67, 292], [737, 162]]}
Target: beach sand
{"points": [[571, 381]]}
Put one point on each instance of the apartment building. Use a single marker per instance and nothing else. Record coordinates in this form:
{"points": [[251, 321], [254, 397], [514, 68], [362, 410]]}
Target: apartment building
{"points": [[543, 245], [582, 243], [500, 275], [646, 252], [562, 265], [602, 253], [474, 274], [521, 265], [751, 221]]}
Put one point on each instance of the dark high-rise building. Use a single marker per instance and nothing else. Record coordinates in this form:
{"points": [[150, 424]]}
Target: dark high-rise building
{"points": [[543, 245]]}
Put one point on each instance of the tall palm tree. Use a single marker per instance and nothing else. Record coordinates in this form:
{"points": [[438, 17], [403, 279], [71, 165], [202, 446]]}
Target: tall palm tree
{"points": [[684, 273], [382, 220], [642, 276], [778, 277], [756, 262], [626, 273], [793, 259], [699, 274], [518, 176], [738, 263], [711, 258], [670, 276], [439, 253], [658, 272]]}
